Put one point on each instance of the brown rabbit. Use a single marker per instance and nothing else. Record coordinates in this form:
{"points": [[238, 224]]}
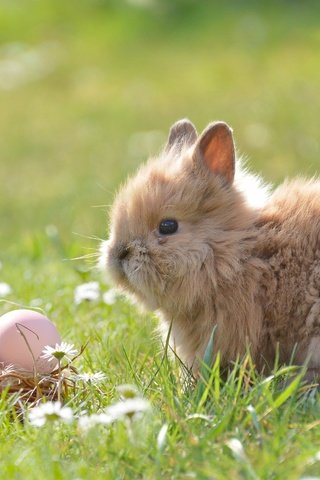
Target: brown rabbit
{"points": [[188, 241]]}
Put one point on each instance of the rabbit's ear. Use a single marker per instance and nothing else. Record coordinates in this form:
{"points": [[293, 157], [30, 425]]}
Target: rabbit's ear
{"points": [[182, 133], [216, 148]]}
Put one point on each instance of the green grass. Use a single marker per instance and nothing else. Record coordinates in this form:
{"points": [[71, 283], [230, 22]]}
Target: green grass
{"points": [[96, 77]]}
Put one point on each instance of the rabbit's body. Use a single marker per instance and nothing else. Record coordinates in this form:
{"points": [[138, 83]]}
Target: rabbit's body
{"points": [[186, 242], [289, 244]]}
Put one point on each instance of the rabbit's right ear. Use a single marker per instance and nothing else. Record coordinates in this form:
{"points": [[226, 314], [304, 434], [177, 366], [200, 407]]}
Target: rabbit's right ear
{"points": [[182, 133], [215, 149]]}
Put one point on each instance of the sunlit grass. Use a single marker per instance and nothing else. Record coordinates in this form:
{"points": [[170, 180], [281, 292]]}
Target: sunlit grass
{"points": [[91, 92]]}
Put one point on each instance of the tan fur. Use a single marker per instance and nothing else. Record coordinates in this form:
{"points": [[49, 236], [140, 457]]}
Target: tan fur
{"points": [[254, 272]]}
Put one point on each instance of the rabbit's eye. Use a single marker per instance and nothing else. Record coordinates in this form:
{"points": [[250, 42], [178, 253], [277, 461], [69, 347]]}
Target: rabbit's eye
{"points": [[168, 226]]}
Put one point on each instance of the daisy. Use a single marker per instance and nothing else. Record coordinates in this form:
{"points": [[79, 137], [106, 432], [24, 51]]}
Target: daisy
{"points": [[130, 408], [110, 296], [127, 391], [5, 289], [93, 378], [89, 421], [162, 436], [59, 351], [87, 292], [237, 448], [50, 411]]}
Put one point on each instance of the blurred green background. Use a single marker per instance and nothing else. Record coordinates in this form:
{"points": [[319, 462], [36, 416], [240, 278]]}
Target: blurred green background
{"points": [[88, 89]]}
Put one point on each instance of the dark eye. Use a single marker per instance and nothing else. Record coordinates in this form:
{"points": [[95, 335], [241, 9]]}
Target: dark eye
{"points": [[168, 226]]}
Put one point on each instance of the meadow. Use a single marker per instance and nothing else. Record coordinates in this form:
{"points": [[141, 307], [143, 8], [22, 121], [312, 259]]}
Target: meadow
{"points": [[88, 90]]}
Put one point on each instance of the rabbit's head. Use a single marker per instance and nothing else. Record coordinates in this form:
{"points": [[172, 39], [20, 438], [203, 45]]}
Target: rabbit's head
{"points": [[176, 225]]}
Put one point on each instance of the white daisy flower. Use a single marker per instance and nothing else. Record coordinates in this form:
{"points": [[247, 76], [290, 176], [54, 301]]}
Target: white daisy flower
{"points": [[89, 292], [93, 378], [237, 448], [50, 411], [89, 421], [130, 408], [36, 302], [51, 231], [59, 351], [162, 437], [128, 391], [110, 296], [5, 289]]}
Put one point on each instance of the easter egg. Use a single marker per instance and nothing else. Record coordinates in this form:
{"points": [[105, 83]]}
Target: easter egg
{"points": [[22, 332]]}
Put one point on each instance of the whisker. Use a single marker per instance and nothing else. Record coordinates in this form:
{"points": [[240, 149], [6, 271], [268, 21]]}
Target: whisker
{"points": [[99, 185], [83, 257], [90, 237], [137, 268], [101, 206]]}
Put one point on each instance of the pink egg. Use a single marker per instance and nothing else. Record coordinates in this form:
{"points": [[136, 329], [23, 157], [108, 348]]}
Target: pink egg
{"points": [[38, 332]]}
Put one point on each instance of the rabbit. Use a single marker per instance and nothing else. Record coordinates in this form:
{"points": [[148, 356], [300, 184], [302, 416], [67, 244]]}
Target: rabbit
{"points": [[202, 242]]}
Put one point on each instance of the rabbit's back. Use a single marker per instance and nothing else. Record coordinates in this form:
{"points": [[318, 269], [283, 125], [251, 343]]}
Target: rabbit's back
{"points": [[289, 244]]}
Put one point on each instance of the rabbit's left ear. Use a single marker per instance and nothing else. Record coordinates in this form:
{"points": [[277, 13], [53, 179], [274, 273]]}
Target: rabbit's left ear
{"points": [[216, 148], [182, 133]]}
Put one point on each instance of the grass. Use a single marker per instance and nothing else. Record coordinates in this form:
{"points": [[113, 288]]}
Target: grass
{"points": [[98, 84]]}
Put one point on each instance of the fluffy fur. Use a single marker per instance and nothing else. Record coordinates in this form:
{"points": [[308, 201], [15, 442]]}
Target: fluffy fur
{"points": [[250, 267]]}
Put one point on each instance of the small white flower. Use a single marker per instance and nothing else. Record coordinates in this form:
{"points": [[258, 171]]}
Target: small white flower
{"points": [[162, 437], [52, 231], [200, 416], [130, 408], [93, 378], [89, 292], [89, 421], [50, 411], [59, 351], [127, 390], [110, 296], [309, 478], [36, 302], [314, 459], [237, 448], [5, 289]]}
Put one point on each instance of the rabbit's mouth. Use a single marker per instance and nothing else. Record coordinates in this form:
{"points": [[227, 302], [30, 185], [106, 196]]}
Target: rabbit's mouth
{"points": [[130, 266]]}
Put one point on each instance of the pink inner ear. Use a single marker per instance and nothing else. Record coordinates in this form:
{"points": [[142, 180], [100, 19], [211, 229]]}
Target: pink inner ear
{"points": [[218, 151]]}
